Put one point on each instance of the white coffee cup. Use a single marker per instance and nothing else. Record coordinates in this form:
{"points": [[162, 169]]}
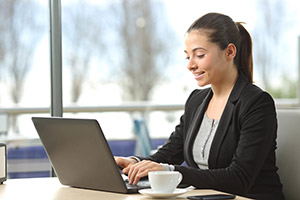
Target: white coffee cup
{"points": [[164, 181]]}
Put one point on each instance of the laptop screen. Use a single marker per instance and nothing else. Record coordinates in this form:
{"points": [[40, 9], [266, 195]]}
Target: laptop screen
{"points": [[79, 153]]}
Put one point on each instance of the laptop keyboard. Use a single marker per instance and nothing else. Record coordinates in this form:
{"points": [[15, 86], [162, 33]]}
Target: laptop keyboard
{"points": [[140, 185]]}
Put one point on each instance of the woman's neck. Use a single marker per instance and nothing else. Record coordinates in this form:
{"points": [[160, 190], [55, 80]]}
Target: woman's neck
{"points": [[223, 88], [220, 96]]}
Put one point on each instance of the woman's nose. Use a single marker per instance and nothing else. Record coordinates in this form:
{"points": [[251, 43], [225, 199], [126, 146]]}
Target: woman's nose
{"points": [[191, 65]]}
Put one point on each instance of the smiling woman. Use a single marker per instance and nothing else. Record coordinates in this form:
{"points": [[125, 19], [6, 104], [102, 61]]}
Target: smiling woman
{"points": [[227, 134], [104, 38]]}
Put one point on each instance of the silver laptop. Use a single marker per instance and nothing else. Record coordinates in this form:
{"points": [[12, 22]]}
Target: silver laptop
{"points": [[80, 154]]}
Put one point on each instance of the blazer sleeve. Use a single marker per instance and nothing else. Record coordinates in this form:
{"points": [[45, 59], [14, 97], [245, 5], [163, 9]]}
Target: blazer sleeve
{"points": [[172, 151], [256, 124]]}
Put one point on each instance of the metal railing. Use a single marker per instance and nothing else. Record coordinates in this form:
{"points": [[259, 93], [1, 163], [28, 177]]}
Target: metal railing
{"points": [[136, 107], [8, 115], [143, 107]]}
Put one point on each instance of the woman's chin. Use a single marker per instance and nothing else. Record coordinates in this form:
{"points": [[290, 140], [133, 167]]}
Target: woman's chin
{"points": [[202, 84]]}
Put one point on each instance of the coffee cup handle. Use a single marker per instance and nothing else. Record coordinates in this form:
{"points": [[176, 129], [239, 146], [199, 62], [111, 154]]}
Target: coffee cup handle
{"points": [[179, 178]]}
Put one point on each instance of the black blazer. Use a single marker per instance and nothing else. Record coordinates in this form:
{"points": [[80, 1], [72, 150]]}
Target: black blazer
{"points": [[242, 155]]}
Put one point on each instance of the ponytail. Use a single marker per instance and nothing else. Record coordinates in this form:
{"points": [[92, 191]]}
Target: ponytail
{"points": [[244, 60]]}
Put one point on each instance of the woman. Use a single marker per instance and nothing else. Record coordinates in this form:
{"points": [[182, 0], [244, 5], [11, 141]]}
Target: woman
{"points": [[227, 135]]}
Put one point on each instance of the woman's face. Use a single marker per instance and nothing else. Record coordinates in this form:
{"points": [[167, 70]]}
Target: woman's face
{"points": [[206, 60]]}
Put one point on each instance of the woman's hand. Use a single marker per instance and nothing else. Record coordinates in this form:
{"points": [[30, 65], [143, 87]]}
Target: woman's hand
{"points": [[124, 162], [136, 171]]}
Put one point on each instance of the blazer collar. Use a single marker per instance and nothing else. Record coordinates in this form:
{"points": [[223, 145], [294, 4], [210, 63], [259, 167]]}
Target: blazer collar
{"points": [[225, 121], [222, 127], [193, 130], [239, 85]]}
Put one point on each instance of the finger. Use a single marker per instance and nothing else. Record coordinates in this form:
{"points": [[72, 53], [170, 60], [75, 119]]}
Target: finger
{"points": [[141, 171], [140, 175], [145, 169], [132, 172], [119, 160], [123, 162], [126, 169]]}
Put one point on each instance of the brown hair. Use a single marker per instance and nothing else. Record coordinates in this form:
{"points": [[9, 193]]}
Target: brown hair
{"points": [[222, 30]]}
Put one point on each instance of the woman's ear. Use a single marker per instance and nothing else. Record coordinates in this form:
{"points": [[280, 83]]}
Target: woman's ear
{"points": [[230, 52]]}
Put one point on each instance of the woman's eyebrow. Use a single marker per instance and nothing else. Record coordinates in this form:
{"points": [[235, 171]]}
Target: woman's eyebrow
{"points": [[195, 49]]}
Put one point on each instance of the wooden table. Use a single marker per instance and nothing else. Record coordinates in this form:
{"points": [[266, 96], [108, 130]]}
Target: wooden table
{"points": [[50, 188]]}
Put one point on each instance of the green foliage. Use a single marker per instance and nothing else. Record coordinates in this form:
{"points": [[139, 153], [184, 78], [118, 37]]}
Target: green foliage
{"points": [[288, 88]]}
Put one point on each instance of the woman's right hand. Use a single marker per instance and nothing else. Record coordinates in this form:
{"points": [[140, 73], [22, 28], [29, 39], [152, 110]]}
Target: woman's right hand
{"points": [[136, 170], [125, 163]]}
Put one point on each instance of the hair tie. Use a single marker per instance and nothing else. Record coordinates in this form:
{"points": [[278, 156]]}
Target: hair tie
{"points": [[237, 26]]}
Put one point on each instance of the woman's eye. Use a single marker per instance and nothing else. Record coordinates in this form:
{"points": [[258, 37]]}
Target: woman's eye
{"points": [[187, 58], [200, 56]]}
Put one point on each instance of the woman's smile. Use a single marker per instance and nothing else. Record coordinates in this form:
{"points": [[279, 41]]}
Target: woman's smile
{"points": [[198, 75]]}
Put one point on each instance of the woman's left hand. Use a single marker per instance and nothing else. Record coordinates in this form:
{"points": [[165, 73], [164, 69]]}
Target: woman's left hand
{"points": [[136, 171]]}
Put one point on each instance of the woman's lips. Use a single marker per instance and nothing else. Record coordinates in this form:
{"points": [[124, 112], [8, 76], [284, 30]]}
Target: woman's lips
{"points": [[199, 75]]}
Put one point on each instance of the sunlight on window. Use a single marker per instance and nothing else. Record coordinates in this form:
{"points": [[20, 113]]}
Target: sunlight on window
{"points": [[127, 52]]}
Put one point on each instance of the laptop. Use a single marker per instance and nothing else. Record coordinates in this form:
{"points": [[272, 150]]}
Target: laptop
{"points": [[80, 154]]}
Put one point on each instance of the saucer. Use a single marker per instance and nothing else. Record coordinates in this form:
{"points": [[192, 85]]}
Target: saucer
{"points": [[149, 192]]}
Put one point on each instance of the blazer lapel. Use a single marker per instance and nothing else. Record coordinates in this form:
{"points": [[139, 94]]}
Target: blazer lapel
{"points": [[225, 122], [219, 135], [193, 130]]}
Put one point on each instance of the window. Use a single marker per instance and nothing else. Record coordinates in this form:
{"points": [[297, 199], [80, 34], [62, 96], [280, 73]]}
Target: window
{"points": [[24, 64], [123, 59], [119, 52]]}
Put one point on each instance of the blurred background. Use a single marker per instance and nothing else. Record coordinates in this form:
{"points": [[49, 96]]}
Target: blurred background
{"points": [[123, 60]]}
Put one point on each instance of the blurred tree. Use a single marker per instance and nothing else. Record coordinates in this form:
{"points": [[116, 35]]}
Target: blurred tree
{"points": [[19, 35], [143, 46], [1, 48], [269, 30], [1, 43], [18, 38], [82, 34]]}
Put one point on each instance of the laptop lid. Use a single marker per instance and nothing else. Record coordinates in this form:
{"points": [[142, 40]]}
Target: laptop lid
{"points": [[79, 153]]}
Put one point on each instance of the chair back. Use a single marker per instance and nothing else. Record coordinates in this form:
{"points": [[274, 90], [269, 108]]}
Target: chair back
{"points": [[143, 143], [288, 151]]}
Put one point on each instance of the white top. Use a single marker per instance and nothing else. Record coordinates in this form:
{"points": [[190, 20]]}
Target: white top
{"points": [[203, 141]]}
